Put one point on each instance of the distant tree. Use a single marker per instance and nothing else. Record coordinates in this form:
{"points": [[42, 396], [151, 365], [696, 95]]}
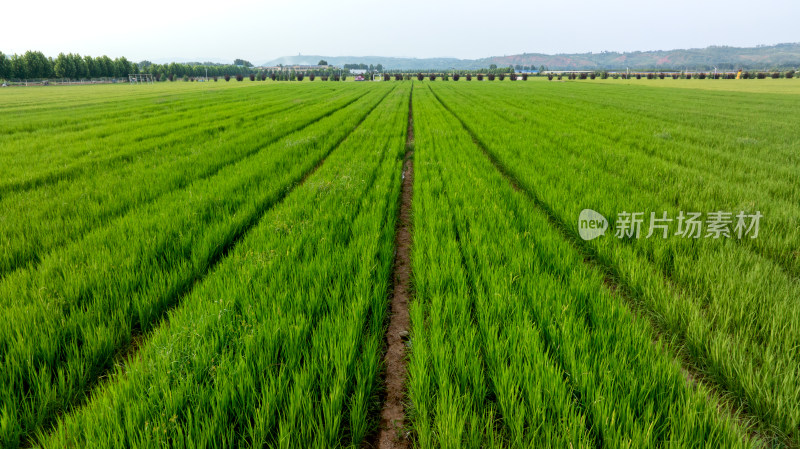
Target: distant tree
{"points": [[37, 65], [5, 67], [63, 67], [91, 67], [493, 67], [379, 68], [81, 68], [322, 62], [455, 77], [239, 77], [106, 66], [242, 62], [122, 67], [19, 68], [420, 77]]}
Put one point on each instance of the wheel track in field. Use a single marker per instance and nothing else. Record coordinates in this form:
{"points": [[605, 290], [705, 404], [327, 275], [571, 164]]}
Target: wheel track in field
{"points": [[762, 433], [106, 219], [130, 350], [79, 167], [391, 429]]}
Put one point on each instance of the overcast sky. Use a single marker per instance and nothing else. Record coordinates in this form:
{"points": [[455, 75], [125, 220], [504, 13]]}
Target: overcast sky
{"points": [[260, 30]]}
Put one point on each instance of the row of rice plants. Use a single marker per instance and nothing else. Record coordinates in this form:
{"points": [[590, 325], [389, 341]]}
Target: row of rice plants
{"points": [[27, 109], [517, 342], [51, 153], [280, 345], [751, 270], [69, 316], [727, 309], [39, 220], [703, 166]]}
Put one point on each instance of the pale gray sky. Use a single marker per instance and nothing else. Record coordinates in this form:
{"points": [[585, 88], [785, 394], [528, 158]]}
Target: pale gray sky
{"points": [[259, 30]]}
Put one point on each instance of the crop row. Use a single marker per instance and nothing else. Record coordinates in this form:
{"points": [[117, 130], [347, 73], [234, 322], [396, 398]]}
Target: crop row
{"points": [[725, 306], [69, 316], [98, 193], [280, 345], [55, 152], [515, 340]]}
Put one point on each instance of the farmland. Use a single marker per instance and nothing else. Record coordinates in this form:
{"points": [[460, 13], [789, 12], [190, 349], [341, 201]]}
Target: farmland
{"points": [[216, 264]]}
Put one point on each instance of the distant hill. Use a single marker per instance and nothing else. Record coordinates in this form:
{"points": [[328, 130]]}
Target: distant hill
{"points": [[722, 57]]}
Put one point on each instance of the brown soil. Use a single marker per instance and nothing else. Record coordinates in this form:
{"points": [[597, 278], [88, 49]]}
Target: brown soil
{"points": [[391, 433]]}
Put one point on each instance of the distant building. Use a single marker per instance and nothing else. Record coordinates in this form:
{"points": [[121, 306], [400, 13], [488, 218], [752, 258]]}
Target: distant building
{"points": [[358, 71]]}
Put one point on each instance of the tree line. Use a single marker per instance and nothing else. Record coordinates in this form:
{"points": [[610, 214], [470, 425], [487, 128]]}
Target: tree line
{"points": [[35, 65]]}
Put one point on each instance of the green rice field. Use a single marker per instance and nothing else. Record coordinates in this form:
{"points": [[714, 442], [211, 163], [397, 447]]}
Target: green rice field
{"points": [[212, 264]]}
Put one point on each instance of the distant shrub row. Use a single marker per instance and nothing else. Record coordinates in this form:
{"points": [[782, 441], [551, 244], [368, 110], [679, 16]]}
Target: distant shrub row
{"points": [[502, 76], [651, 75]]}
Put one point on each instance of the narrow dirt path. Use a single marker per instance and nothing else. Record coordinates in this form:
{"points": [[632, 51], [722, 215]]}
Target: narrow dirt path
{"points": [[391, 434]]}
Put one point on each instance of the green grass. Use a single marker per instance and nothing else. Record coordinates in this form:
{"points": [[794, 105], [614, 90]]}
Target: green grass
{"points": [[209, 264]]}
